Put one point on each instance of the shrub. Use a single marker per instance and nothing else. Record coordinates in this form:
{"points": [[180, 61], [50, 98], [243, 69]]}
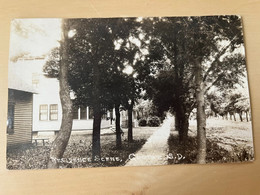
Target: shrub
{"points": [[242, 153], [142, 122], [154, 121]]}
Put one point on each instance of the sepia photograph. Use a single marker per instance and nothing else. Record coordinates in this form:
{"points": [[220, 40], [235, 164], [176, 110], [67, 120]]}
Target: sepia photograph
{"points": [[132, 91]]}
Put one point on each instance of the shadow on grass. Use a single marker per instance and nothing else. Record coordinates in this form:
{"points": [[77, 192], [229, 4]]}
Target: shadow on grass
{"points": [[77, 155], [27, 156], [186, 154]]}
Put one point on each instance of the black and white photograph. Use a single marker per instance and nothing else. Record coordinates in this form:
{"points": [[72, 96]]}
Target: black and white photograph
{"points": [[129, 91]]}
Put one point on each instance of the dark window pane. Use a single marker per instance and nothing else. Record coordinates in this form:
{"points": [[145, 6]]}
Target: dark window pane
{"points": [[83, 113], [75, 112]]}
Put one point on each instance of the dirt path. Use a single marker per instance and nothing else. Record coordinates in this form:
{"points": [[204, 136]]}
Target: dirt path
{"points": [[155, 150]]}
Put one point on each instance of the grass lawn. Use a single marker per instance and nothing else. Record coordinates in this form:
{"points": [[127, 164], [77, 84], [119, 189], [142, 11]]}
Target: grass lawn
{"points": [[227, 141], [78, 151]]}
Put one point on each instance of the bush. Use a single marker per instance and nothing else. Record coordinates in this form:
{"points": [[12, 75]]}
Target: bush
{"points": [[154, 121], [142, 122]]}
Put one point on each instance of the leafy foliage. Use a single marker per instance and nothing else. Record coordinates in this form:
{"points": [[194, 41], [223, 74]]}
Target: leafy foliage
{"points": [[52, 67], [166, 55], [228, 101]]}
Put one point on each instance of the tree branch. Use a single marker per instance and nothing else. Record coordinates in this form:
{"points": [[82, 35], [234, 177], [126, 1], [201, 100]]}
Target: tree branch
{"points": [[213, 83], [217, 58]]}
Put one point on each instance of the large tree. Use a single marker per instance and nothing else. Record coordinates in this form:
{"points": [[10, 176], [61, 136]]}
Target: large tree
{"points": [[198, 52], [61, 141], [210, 37]]}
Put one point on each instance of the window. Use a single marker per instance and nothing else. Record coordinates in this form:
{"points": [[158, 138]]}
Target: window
{"points": [[35, 79], [53, 112], [43, 114], [10, 119], [75, 112], [91, 113], [83, 113]]}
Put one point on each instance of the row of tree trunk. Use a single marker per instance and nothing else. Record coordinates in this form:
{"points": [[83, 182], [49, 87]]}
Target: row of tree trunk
{"points": [[232, 116], [243, 116], [61, 141]]}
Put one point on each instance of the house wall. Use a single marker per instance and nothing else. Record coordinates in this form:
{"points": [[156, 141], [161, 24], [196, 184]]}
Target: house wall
{"points": [[48, 89], [23, 107]]}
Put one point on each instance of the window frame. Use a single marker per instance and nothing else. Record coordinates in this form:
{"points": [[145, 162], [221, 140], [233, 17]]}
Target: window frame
{"points": [[40, 113], [51, 113], [75, 113], [83, 112]]}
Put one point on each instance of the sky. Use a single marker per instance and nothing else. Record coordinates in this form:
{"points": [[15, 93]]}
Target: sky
{"points": [[34, 36]]}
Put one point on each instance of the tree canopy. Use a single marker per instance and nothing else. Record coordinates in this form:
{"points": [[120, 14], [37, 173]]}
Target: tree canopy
{"points": [[173, 61]]}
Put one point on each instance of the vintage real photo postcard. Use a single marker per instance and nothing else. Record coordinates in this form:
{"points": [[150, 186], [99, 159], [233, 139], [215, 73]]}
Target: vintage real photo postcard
{"points": [[102, 92]]}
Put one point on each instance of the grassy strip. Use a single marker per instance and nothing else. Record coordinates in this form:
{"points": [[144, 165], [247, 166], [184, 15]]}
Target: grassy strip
{"points": [[186, 154], [78, 152]]}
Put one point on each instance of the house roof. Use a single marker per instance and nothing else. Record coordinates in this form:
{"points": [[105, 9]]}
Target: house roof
{"points": [[17, 83]]}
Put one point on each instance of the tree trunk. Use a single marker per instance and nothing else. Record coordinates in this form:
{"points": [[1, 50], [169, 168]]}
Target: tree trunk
{"points": [[97, 113], [183, 129], [130, 123], [111, 117], [177, 122], [234, 115], [182, 125], [96, 133], [61, 141], [118, 128], [240, 115], [247, 116], [201, 117]]}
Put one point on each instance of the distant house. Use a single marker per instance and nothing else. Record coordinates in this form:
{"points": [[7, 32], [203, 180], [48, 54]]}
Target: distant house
{"points": [[20, 111]]}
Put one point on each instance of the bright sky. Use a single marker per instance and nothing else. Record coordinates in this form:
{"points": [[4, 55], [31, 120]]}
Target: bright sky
{"points": [[34, 36]]}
